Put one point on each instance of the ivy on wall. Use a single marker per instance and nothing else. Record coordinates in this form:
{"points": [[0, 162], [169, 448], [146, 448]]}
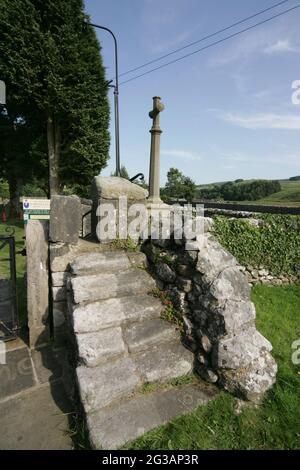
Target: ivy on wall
{"points": [[275, 245]]}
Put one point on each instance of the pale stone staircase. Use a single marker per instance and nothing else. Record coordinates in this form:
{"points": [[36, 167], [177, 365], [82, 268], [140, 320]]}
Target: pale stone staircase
{"points": [[122, 345]]}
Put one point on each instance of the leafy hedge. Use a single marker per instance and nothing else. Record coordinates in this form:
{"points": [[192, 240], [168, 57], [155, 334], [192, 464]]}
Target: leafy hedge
{"points": [[275, 245]]}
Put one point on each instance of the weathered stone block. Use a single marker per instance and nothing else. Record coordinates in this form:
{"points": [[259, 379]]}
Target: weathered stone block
{"points": [[65, 219], [94, 348], [164, 362], [109, 190], [142, 335], [253, 381], [213, 259], [113, 312], [37, 281], [59, 279], [165, 273], [100, 262], [104, 286], [99, 386], [230, 284], [240, 351], [112, 428]]}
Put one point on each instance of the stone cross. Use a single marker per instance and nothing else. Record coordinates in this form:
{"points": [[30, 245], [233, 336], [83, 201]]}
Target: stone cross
{"points": [[154, 172]]}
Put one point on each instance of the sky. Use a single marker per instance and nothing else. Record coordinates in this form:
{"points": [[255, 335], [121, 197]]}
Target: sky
{"points": [[228, 112]]}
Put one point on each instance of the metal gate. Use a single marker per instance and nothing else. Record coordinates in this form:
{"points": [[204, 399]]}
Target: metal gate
{"points": [[8, 287]]}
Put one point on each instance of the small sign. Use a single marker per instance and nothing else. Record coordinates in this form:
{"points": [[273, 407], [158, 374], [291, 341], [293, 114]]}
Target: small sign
{"points": [[36, 209], [2, 92]]}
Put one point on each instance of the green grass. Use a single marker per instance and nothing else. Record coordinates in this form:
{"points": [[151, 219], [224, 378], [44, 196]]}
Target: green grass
{"points": [[273, 425], [18, 226]]}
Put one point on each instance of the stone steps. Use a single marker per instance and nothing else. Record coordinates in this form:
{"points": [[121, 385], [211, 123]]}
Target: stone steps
{"points": [[95, 348], [114, 312], [108, 382], [91, 288], [122, 345], [142, 335], [109, 262], [112, 427]]}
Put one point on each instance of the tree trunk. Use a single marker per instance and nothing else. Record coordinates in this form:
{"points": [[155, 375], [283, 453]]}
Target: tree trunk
{"points": [[54, 145], [15, 191]]}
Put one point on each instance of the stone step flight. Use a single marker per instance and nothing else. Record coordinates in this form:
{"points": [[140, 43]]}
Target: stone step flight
{"points": [[123, 345]]}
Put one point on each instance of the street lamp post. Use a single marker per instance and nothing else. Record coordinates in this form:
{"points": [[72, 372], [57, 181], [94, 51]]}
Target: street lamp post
{"points": [[116, 96]]}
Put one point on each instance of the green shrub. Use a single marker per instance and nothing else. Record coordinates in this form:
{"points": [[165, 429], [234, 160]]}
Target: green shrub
{"points": [[275, 245]]}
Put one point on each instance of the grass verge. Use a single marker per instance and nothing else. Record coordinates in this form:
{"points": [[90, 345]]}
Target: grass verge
{"points": [[273, 425]]}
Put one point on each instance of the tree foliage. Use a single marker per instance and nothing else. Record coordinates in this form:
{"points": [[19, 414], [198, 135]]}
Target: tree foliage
{"points": [[53, 70], [240, 190], [179, 186]]}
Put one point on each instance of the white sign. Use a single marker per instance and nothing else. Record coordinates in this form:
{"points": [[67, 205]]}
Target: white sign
{"points": [[36, 204], [2, 92], [35, 208]]}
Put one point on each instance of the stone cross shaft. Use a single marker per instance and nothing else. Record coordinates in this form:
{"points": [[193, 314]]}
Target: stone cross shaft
{"points": [[154, 172]]}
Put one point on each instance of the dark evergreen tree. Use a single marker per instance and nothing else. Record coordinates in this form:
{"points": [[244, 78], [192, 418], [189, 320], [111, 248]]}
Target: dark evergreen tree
{"points": [[52, 66]]}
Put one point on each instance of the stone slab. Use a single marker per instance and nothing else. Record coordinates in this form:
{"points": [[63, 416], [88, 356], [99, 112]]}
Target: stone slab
{"points": [[213, 259], [112, 428], [36, 420], [62, 254], [241, 350], [114, 312], [112, 187], [17, 374], [230, 284], [94, 348], [59, 279], [99, 386], [163, 362], [142, 335], [110, 262], [37, 281], [65, 219], [105, 286]]}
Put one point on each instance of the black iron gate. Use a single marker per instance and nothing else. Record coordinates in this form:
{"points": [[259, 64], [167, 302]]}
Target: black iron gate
{"points": [[8, 287]]}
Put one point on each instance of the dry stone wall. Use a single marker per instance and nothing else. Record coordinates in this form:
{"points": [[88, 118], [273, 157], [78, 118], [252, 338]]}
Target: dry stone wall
{"points": [[212, 294]]}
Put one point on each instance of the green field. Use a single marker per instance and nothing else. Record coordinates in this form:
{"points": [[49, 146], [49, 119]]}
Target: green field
{"points": [[273, 425]]}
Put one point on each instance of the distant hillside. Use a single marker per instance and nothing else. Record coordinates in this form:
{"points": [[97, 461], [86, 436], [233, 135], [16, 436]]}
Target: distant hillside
{"points": [[289, 195]]}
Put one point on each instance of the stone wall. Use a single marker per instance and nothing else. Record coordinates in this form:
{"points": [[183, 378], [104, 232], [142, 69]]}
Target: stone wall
{"points": [[262, 275], [212, 295]]}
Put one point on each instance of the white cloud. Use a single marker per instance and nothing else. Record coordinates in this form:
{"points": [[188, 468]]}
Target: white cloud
{"points": [[274, 37], [263, 121], [282, 45], [182, 154]]}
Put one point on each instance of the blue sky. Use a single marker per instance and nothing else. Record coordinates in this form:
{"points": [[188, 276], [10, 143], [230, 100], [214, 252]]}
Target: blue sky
{"points": [[229, 112]]}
